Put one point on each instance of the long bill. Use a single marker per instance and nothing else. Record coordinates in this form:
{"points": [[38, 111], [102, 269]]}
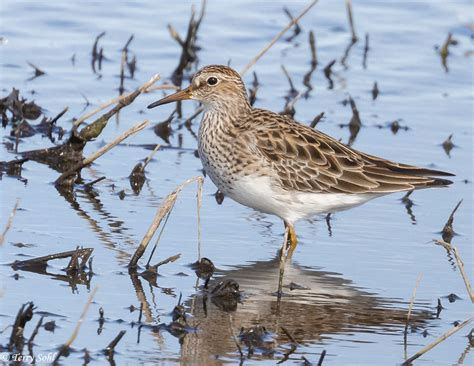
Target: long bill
{"points": [[181, 95]]}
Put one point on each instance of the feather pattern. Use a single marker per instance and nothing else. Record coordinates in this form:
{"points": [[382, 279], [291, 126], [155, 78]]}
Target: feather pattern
{"points": [[307, 160]]}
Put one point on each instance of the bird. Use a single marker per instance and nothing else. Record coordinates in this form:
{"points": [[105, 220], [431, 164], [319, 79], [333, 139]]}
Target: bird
{"points": [[276, 165]]}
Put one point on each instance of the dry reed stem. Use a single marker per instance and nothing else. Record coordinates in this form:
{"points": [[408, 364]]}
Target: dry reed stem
{"points": [[277, 37], [199, 205], [35, 332], [410, 308], [412, 300], [102, 150], [9, 222], [161, 87], [164, 209], [451, 248], [142, 89], [437, 341], [158, 239], [78, 326], [151, 155]]}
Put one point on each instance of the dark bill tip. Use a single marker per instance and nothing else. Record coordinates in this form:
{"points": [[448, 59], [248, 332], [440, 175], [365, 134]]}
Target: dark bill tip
{"points": [[156, 104], [180, 95]]}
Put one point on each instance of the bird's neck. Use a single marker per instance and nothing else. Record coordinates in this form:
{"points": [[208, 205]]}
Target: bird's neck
{"points": [[226, 114]]}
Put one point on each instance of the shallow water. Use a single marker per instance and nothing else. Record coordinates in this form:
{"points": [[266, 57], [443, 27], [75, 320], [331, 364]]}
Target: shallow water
{"points": [[356, 279]]}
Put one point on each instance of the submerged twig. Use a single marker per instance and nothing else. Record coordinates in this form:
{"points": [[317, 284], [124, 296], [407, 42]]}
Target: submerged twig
{"points": [[253, 90], [375, 91], [314, 64], [130, 39], [89, 185], [123, 62], [24, 315], [444, 51], [328, 72], [110, 349], [448, 232], [292, 92], [312, 46], [38, 71], [321, 358], [355, 123], [351, 20], [317, 119], [448, 145], [407, 201], [293, 345], [34, 333], [97, 55], [354, 38], [366, 51], [297, 28]]}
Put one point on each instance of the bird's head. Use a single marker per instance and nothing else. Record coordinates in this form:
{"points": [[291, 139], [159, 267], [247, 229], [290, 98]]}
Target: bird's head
{"points": [[215, 86]]}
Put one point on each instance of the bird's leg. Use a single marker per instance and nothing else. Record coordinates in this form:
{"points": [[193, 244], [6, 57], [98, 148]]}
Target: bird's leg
{"points": [[287, 249], [292, 240], [283, 257]]}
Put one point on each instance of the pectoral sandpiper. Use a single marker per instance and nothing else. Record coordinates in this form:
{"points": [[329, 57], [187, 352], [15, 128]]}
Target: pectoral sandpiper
{"points": [[276, 165]]}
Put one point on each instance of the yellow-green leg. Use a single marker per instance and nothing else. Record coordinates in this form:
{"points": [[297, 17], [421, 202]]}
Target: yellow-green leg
{"points": [[287, 249], [292, 240]]}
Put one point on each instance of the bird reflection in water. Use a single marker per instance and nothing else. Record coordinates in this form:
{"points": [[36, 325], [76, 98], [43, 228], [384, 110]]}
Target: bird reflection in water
{"points": [[316, 305]]}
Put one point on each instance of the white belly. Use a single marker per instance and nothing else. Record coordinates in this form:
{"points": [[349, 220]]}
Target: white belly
{"points": [[257, 193]]}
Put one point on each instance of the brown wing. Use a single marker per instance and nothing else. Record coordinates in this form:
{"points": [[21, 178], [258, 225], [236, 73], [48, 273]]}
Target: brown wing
{"points": [[307, 160]]}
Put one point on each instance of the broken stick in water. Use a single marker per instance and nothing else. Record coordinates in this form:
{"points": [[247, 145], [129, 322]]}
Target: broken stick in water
{"points": [[71, 172], [42, 262], [110, 349]]}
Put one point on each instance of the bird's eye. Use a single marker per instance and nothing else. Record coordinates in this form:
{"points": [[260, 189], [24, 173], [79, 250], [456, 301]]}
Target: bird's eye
{"points": [[212, 80]]}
